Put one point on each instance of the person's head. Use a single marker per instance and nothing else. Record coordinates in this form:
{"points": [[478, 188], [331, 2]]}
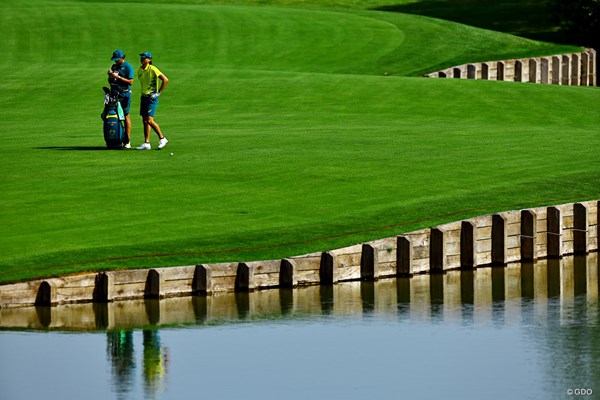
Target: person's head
{"points": [[118, 56], [146, 58]]}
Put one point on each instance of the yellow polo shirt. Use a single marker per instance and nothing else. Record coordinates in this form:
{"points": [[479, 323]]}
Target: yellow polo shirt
{"points": [[149, 78]]}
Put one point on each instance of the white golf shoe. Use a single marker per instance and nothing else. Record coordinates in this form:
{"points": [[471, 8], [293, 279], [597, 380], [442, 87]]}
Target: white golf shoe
{"points": [[127, 145], [144, 146], [162, 143]]}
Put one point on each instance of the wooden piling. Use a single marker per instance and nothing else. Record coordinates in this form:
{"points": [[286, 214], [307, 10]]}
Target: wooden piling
{"points": [[485, 71], [244, 279], [592, 69], [533, 70], [328, 270], [575, 70], [518, 71], [404, 256], [585, 64], [468, 258], [369, 263], [556, 71], [580, 229], [554, 232], [565, 70], [500, 70], [437, 250], [528, 235], [202, 283], [498, 240], [544, 71], [288, 277], [471, 71], [153, 285], [102, 288], [46, 294]]}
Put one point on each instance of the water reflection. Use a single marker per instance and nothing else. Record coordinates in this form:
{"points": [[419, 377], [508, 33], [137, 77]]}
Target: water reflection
{"points": [[155, 357], [546, 312], [122, 360], [156, 362]]}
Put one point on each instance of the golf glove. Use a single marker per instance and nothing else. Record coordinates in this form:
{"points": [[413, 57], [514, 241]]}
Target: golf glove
{"points": [[154, 96]]}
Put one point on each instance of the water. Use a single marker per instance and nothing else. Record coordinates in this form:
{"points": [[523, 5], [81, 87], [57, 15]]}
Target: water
{"points": [[529, 332]]}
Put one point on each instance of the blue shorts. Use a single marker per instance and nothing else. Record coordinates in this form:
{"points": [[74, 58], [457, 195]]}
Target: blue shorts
{"points": [[125, 100], [148, 106]]}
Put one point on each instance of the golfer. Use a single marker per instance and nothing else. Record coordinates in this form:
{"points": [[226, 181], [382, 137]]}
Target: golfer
{"points": [[120, 78], [148, 76]]}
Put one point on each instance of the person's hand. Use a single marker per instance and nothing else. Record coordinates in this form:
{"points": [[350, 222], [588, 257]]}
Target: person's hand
{"points": [[111, 72]]}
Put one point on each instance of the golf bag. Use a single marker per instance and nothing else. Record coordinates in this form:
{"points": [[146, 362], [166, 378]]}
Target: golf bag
{"points": [[114, 121]]}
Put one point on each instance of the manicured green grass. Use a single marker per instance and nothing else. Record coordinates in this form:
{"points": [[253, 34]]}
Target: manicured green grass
{"points": [[286, 136]]}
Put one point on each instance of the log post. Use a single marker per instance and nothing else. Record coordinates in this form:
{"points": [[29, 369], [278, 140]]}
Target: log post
{"points": [[287, 273], [554, 232], [437, 250], [528, 235], [518, 71], [485, 71], [544, 71], [580, 229], [593, 68], [153, 283], [328, 269], [46, 294], [575, 70], [369, 263], [533, 70], [103, 288], [556, 71], [404, 256], [244, 278], [500, 71], [565, 75], [471, 71], [202, 281], [498, 240], [585, 63], [468, 252]]}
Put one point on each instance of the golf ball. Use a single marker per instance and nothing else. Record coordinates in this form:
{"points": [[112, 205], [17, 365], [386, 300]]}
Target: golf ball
{"points": [[171, 153]]}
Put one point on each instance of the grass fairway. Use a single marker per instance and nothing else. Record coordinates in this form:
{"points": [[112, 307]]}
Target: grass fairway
{"points": [[286, 136]]}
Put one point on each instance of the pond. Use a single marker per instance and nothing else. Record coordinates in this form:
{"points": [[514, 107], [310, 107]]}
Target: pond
{"points": [[529, 331]]}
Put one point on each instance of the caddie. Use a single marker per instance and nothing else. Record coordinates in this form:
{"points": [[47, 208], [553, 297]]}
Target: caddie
{"points": [[120, 78]]}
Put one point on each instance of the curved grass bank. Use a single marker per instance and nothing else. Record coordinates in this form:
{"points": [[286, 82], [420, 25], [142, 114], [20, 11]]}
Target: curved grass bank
{"points": [[287, 137]]}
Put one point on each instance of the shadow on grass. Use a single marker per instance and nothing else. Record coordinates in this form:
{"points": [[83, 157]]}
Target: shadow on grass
{"points": [[75, 148], [532, 19]]}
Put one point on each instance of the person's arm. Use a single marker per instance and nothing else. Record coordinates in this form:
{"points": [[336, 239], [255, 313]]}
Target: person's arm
{"points": [[164, 81], [120, 78]]}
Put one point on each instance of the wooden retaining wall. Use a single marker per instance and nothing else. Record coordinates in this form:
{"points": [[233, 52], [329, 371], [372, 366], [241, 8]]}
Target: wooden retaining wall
{"points": [[415, 297], [574, 69], [498, 239]]}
